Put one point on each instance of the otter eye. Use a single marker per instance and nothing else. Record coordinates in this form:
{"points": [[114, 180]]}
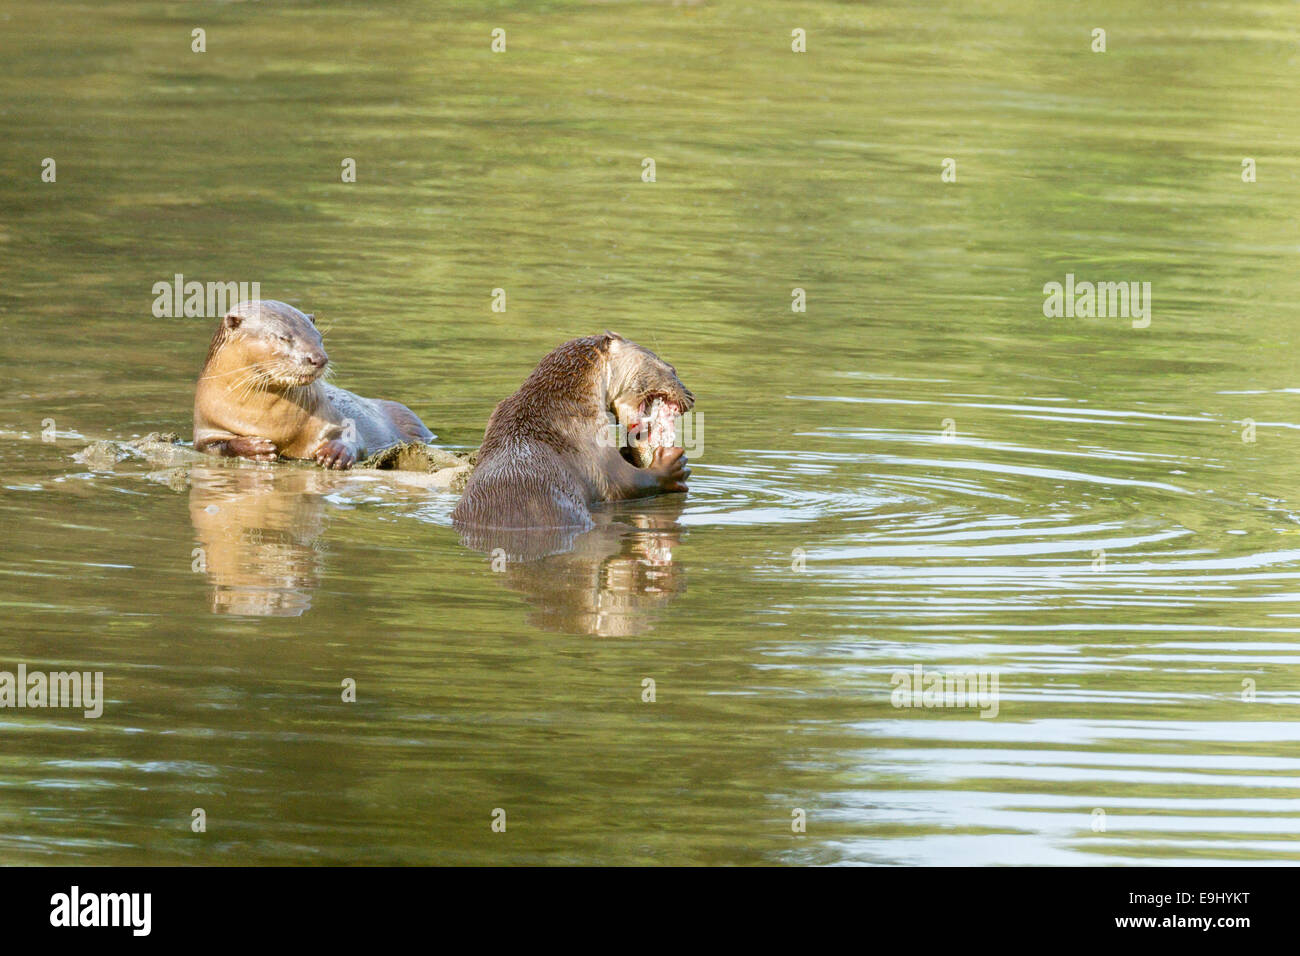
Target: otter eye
{"points": [[286, 338]]}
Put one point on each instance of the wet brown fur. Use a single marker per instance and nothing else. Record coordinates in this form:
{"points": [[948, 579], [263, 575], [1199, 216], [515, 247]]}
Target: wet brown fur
{"points": [[543, 462], [260, 396], [567, 377]]}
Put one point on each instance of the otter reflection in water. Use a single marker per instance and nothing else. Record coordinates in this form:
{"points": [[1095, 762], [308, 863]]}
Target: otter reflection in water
{"points": [[259, 531], [608, 581]]}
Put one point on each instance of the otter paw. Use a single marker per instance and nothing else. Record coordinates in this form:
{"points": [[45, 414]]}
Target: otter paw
{"points": [[257, 449], [669, 466], [334, 454]]}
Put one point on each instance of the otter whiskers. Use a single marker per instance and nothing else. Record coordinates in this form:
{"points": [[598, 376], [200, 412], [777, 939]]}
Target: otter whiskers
{"points": [[256, 379], [262, 387]]}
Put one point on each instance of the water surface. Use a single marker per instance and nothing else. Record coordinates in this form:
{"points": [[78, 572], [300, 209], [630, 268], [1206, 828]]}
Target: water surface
{"points": [[921, 469]]}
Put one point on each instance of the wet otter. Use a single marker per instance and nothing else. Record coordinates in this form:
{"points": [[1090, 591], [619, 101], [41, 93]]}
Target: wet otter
{"points": [[547, 455], [260, 395]]}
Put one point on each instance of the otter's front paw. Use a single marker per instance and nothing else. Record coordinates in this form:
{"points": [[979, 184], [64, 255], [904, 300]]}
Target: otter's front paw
{"points": [[334, 454], [669, 467], [258, 449]]}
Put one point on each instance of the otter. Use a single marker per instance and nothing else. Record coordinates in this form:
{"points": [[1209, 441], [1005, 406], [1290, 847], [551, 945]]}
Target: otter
{"points": [[547, 456], [261, 396]]}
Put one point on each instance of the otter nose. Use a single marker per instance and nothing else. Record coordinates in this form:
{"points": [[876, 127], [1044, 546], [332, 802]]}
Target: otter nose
{"points": [[318, 359]]}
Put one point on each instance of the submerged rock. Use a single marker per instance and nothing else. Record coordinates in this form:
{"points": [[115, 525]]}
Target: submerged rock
{"points": [[101, 455], [415, 456], [168, 455], [448, 470], [163, 450]]}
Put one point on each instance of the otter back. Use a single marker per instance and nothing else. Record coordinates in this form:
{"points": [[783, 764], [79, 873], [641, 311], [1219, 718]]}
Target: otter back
{"points": [[546, 456]]}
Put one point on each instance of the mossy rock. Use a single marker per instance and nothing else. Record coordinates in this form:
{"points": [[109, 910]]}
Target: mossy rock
{"points": [[417, 457], [169, 456], [101, 455]]}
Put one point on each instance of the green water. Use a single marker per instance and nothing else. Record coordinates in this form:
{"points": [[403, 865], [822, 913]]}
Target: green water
{"points": [[1092, 528]]}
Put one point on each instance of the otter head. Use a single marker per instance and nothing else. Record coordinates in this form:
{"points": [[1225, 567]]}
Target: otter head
{"points": [[646, 396], [279, 342]]}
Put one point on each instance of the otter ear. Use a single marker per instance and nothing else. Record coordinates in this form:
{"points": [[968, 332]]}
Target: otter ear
{"points": [[233, 320], [310, 318], [615, 336]]}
